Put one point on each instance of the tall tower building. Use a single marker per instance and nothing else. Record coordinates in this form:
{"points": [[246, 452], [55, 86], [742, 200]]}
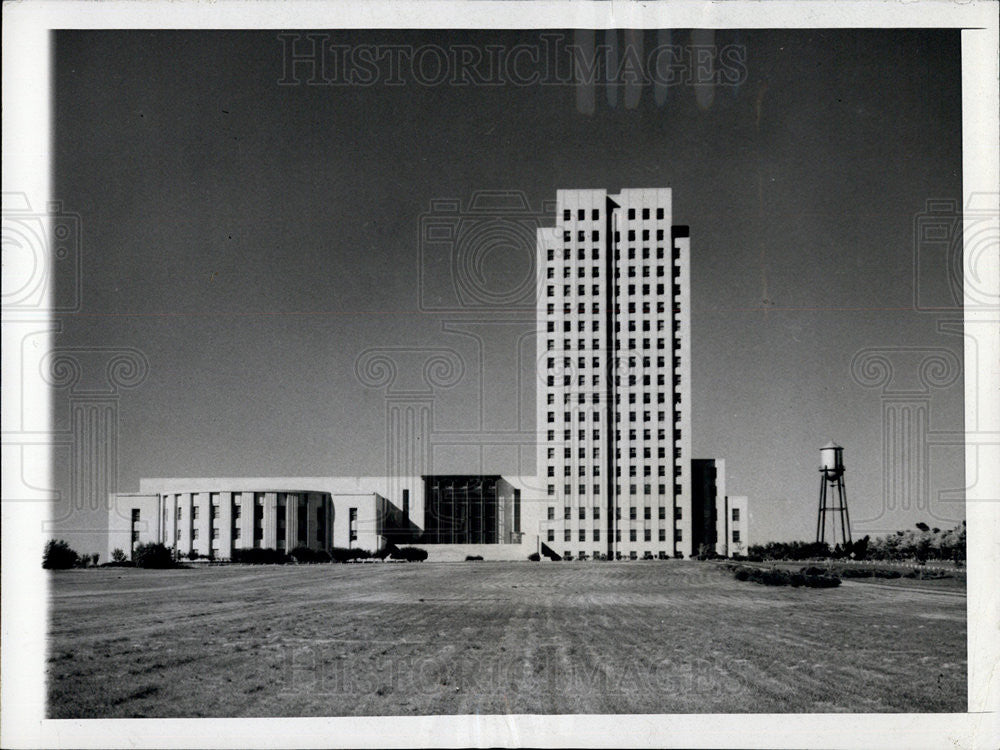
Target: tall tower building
{"points": [[614, 407]]}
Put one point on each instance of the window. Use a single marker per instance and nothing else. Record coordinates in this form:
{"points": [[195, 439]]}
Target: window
{"points": [[566, 535], [663, 535], [631, 214], [583, 535], [645, 213], [647, 535], [352, 516], [662, 513], [597, 512], [736, 514], [631, 535], [632, 513], [567, 511], [597, 535], [236, 533], [736, 535], [583, 511], [194, 533], [647, 514], [678, 536], [552, 535], [552, 510]]}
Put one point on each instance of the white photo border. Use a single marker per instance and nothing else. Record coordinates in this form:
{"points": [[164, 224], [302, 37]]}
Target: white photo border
{"points": [[26, 170]]}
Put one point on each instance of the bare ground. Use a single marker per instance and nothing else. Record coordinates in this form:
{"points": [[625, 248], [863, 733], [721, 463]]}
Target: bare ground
{"points": [[463, 638]]}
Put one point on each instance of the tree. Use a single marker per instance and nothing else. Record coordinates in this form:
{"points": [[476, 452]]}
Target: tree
{"points": [[59, 555], [118, 556], [923, 526], [152, 555]]}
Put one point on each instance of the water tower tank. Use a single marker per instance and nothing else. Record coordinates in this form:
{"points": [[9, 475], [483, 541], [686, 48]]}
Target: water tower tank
{"points": [[831, 460]]}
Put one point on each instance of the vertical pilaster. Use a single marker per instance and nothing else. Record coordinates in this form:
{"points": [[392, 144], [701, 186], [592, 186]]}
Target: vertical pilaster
{"points": [[311, 520], [291, 522], [203, 544], [246, 520], [225, 525], [270, 539]]}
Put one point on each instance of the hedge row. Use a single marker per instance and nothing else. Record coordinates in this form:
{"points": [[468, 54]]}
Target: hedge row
{"points": [[810, 577]]}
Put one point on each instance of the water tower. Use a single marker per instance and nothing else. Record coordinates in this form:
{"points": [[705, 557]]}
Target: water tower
{"points": [[832, 494]]}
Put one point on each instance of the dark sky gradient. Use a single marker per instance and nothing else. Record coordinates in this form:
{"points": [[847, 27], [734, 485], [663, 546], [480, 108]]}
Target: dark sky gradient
{"points": [[253, 239]]}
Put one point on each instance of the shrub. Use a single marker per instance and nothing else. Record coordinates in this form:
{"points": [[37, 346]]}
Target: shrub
{"points": [[775, 577], [812, 570], [118, 556], [848, 572], [473, 558], [924, 574], [534, 557], [307, 555], [152, 555], [822, 582], [344, 554], [59, 555], [259, 556], [410, 554]]}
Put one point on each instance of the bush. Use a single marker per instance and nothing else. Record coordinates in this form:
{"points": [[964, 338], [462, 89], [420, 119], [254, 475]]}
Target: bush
{"points": [[865, 572], [259, 556], [343, 554], [473, 558], [59, 555], [118, 556], [924, 574], [152, 555], [822, 582], [775, 577], [307, 555], [410, 554], [534, 557]]}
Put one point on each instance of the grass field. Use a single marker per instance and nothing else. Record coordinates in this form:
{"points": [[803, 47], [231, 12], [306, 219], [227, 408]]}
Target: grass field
{"points": [[421, 638]]}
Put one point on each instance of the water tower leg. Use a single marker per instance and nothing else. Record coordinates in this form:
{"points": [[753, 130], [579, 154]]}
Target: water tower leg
{"points": [[845, 516], [821, 517]]}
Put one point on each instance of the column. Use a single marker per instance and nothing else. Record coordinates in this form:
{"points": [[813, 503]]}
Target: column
{"points": [[310, 509], [187, 522], [246, 520], [203, 501], [225, 525], [171, 540], [270, 520], [291, 522]]}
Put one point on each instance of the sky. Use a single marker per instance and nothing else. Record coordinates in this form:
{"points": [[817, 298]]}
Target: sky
{"points": [[253, 234]]}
